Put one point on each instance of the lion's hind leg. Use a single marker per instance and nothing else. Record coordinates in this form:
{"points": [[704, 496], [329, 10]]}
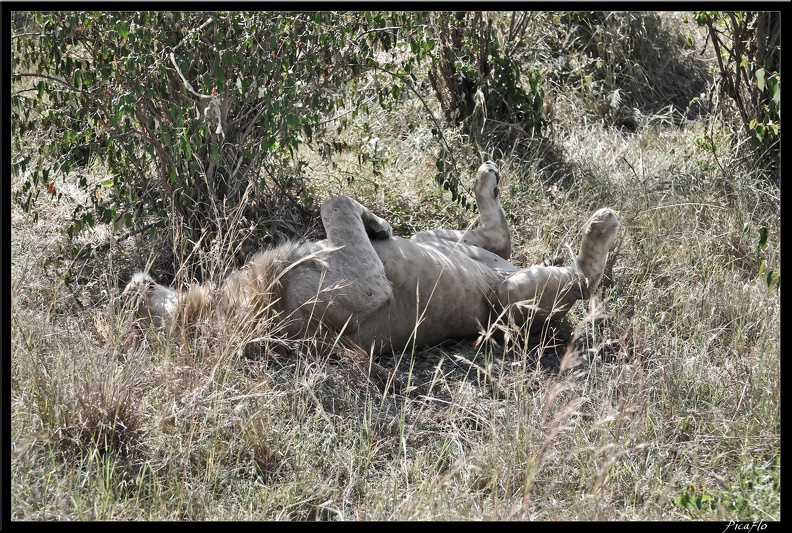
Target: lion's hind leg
{"points": [[492, 233], [533, 295], [544, 292]]}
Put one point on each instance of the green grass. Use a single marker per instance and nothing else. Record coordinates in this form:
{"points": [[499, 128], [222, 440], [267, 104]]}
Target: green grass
{"points": [[668, 406]]}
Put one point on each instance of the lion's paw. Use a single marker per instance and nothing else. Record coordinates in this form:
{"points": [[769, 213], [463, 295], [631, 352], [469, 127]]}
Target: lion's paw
{"points": [[487, 179], [376, 227]]}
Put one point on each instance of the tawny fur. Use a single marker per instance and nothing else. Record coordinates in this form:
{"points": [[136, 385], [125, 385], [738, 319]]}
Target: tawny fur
{"points": [[533, 295], [153, 303], [386, 293]]}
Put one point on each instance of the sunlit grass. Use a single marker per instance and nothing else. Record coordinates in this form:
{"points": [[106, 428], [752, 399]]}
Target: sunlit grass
{"points": [[667, 406]]}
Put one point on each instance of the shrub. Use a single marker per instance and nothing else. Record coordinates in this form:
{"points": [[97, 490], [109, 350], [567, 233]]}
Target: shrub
{"points": [[193, 113], [748, 51]]}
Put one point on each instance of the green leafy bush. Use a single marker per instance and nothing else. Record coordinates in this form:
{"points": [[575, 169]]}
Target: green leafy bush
{"points": [[191, 112], [748, 49], [478, 73], [196, 113]]}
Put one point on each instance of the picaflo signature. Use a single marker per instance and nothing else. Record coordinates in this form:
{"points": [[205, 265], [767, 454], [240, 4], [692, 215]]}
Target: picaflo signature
{"points": [[745, 527]]}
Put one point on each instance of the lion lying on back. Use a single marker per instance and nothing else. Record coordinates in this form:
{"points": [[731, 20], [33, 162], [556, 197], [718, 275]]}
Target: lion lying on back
{"points": [[386, 293]]}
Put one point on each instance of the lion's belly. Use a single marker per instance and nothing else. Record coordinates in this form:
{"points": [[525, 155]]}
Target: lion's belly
{"points": [[447, 296]]}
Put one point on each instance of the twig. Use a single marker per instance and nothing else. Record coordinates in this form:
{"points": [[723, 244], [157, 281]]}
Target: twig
{"points": [[45, 76], [187, 83], [404, 79], [20, 35], [199, 28], [106, 244]]}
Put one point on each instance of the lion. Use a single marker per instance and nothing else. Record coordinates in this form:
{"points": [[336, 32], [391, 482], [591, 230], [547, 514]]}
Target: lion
{"points": [[386, 293]]}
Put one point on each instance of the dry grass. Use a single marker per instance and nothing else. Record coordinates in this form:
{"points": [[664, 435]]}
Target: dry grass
{"points": [[658, 400]]}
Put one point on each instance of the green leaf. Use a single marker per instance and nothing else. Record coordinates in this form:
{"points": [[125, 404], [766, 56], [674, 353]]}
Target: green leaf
{"points": [[762, 237], [760, 79]]}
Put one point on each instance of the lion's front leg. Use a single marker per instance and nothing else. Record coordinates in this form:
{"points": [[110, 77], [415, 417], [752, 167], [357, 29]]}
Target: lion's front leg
{"points": [[355, 266], [342, 282]]}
